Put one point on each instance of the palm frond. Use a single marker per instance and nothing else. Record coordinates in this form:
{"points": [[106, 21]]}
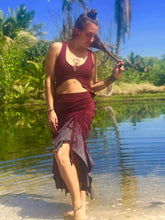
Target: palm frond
{"points": [[22, 34], [35, 65], [83, 4], [128, 15], [122, 18], [36, 27], [12, 12], [67, 5]]}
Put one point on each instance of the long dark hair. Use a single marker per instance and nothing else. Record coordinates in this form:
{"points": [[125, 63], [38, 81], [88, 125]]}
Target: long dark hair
{"points": [[91, 16]]}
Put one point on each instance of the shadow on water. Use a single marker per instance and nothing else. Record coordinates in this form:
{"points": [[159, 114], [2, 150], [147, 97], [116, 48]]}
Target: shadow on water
{"points": [[126, 142]]}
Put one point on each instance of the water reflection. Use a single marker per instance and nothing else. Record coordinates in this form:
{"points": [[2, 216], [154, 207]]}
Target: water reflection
{"points": [[126, 142], [127, 176], [128, 146]]}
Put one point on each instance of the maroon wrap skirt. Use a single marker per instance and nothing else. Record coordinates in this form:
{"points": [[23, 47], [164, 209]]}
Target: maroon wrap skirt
{"points": [[75, 112]]}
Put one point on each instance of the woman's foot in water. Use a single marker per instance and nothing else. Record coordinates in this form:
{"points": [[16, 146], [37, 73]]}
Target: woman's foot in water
{"points": [[80, 213], [71, 213]]}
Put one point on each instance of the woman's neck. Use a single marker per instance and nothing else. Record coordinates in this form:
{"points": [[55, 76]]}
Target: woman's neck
{"points": [[75, 45]]}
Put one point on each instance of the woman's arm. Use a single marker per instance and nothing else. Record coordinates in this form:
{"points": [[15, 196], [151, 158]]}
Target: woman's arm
{"points": [[50, 84], [102, 84]]}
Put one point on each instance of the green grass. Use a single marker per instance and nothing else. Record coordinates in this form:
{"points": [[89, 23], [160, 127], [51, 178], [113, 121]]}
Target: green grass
{"points": [[129, 98]]}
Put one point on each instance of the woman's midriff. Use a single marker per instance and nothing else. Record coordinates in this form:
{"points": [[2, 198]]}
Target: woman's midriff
{"points": [[70, 86]]}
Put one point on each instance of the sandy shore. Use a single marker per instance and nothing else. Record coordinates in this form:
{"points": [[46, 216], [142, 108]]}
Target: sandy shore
{"points": [[43, 213], [141, 198]]}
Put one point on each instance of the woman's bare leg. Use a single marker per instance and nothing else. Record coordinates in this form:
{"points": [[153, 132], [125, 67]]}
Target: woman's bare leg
{"points": [[69, 174], [78, 164], [83, 197]]}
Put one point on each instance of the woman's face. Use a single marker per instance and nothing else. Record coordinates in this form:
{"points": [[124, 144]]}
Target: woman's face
{"points": [[86, 37]]}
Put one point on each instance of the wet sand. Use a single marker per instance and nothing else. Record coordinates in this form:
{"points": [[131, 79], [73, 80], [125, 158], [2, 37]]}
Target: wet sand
{"points": [[135, 198]]}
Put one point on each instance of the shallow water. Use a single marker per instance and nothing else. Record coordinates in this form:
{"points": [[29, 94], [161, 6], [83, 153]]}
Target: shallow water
{"points": [[127, 144]]}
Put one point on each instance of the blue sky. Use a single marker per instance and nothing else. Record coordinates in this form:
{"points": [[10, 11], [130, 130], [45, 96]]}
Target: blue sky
{"points": [[147, 33]]}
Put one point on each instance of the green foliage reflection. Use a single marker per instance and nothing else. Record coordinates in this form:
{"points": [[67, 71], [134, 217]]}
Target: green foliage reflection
{"points": [[24, 131], [21, 130], [134, 112]]}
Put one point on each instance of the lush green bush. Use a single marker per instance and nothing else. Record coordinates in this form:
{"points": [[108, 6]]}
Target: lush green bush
{"points": [[137, 69], [11, 57], [22, 71], [144, 69], [157, 76]]}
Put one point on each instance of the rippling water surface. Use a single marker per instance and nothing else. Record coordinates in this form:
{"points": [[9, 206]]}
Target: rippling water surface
{"points": [[127, 143]]}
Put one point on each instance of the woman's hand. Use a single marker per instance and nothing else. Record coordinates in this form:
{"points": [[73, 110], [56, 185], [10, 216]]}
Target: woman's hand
{"points": [[52, 121], [118, 70]]}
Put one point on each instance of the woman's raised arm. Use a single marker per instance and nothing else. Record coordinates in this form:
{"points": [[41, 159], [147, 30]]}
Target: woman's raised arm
{"points": [[102, 84]]}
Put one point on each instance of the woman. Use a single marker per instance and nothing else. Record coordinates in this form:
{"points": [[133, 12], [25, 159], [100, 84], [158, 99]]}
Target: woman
{"points": [[71, 81]]}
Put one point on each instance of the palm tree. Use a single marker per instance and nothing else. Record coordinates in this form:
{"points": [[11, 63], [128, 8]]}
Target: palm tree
{"points": [[122, 18], [141, 64], [19, 19], [22, 17], [131, 60], [18, 24], [67, 4], [67, 19]]}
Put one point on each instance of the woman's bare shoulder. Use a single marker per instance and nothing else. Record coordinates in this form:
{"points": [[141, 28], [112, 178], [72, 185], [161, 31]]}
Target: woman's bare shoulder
{"points": [[56, 47]]}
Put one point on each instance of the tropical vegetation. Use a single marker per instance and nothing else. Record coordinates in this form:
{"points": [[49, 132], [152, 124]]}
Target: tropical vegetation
{"points": [[23, 49]]}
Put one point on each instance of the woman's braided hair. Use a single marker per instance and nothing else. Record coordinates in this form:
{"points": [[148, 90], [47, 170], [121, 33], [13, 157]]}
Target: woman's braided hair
{"points": [[91, 16]]}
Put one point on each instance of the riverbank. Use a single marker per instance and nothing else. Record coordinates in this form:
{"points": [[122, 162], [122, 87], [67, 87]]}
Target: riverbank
{"points": [[123, 92], [133, 89]]}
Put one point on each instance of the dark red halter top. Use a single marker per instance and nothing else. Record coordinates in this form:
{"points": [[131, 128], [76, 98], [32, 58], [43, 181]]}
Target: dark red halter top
{"points": [[65, 71]]}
